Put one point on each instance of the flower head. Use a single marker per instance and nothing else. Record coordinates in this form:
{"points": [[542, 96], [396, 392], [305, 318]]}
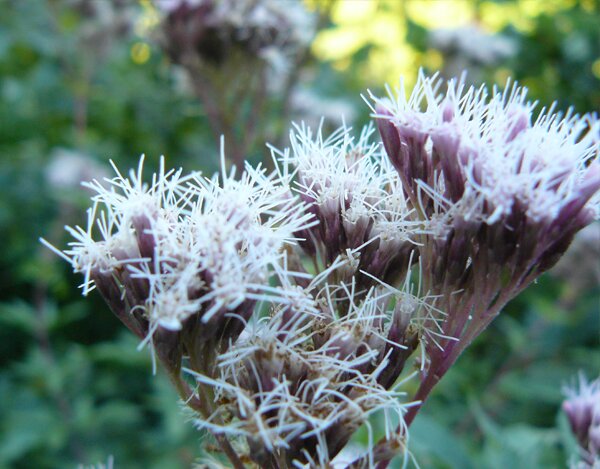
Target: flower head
{"points": [[356, 195], [496, 181], [300, 396], [185, 253], [476, 199], [582, 407], [215, 29], [501, 192]]}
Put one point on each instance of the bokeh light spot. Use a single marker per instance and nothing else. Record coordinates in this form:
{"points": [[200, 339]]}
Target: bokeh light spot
{"points": [[596, 68], [140, 52]]}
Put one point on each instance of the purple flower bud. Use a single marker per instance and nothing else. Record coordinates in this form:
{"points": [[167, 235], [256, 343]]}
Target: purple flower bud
{"points": [[343, 345], [591, 181], [579, 413], [168, 347], [448, 112], [415, 162], [143, 226], [520, 121], [402, 343], [445, 147], [389, 134], [112, 294], [357, 229], [582, 408]]}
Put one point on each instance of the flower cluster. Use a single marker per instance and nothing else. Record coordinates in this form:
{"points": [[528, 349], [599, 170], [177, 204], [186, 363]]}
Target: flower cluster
{"points": [[186, 263], [217, 28], [241, 59], [502, 194], [297, 386], [184, 247], [582, 408], [295, 301], [356, 195]]}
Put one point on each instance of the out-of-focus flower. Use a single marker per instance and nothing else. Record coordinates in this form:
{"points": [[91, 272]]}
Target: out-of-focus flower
{"points": [[579, 268], [67, 168], [311, 109], [105, 22], [470, 48], [238, 54], [582, 408], [213, 28], [472, 43]]}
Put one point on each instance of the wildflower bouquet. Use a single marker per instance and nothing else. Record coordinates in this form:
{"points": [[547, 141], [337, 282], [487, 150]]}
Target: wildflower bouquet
{"points": [[288, 307]]}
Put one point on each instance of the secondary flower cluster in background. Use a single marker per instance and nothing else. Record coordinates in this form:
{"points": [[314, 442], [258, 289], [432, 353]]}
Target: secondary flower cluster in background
{"points": [[582, 407], [242, 59]]}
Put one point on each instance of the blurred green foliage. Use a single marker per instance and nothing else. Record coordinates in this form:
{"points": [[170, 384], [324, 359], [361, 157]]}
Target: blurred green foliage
{"points": [[73, 387]]}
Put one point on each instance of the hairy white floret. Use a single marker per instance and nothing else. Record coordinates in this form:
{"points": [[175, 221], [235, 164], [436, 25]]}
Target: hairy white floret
{"points": [[341, 173], [278, 386], [507, 155], [197, 242]]}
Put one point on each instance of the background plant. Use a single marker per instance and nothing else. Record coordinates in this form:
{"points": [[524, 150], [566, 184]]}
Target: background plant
{"points": [[64, 360]]}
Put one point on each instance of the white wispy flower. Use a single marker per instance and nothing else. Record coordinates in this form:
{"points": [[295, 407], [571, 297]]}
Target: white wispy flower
{"points": [[295, 398], [469, 143], [501, 191], [185, 245], [482, 171], [356, 195]]}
